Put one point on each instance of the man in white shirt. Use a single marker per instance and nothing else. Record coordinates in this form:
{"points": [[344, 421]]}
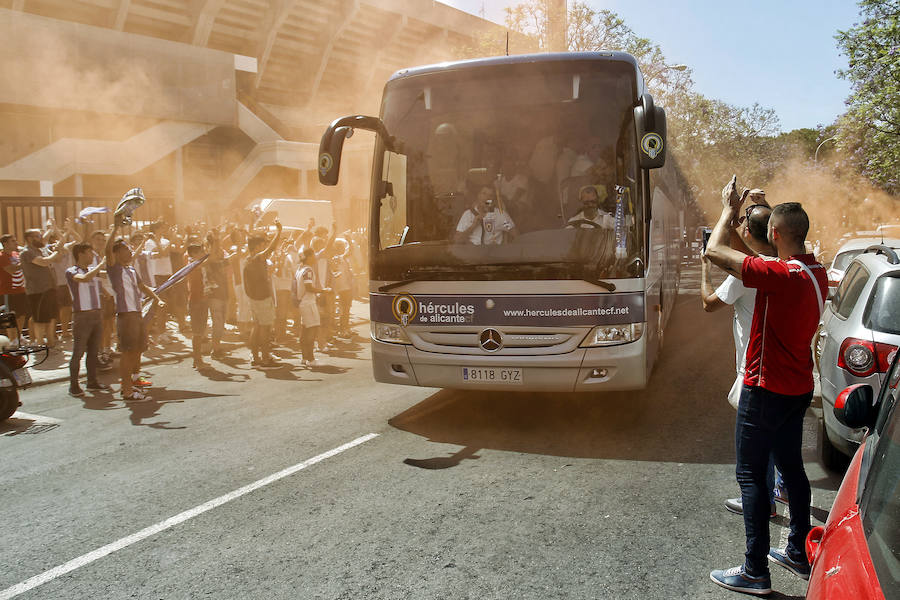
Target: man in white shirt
{"points": [[481, 225], [158, 249], [752, 233], [590, 210]]}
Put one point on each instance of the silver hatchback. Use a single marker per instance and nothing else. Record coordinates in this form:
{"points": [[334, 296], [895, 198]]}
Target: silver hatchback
{"points": [[857, 340]]}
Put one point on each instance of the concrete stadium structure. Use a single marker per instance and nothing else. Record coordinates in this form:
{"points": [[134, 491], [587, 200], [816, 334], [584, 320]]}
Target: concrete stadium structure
{"points": [[206, 104]]}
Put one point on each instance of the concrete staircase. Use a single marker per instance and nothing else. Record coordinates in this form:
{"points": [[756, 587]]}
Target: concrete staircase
{"points": [[66, 157]]}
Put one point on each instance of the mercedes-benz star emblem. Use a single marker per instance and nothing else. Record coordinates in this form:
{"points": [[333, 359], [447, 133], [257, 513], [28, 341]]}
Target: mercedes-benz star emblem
{"points": [[490, 340]]}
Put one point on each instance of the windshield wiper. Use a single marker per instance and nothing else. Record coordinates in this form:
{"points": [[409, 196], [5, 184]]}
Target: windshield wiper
{"points": [[437, 273], [390, 286], [607, 285]]}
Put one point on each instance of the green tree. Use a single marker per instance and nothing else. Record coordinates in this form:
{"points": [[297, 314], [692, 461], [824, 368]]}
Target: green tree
{"points": [[870, 130], [589, 29]]}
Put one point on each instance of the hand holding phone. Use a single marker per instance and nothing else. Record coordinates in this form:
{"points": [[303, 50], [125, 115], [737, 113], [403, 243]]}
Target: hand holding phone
{"points": [[729, 192], [707, 231]]}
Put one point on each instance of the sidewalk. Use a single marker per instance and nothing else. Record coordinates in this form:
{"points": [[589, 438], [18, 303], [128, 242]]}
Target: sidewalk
{"points": [[56, 368]]}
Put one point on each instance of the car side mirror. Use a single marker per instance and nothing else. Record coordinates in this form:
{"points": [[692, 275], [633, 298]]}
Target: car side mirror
{"points": [[855, 407]]}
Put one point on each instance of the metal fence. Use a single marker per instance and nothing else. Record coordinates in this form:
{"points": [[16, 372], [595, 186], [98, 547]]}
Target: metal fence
{"points": [[17, 214]]}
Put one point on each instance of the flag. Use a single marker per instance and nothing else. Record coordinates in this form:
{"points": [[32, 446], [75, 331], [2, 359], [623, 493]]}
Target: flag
{"points": [[175, 279], [132, 199], [89, 211]]}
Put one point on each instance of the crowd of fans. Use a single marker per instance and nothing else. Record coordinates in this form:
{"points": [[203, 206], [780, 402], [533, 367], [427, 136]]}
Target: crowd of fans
{"points": [[272, 285]]}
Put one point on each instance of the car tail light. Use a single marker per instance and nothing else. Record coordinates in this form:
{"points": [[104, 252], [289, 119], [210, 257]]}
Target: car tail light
{"points": [[13, 362], [862, 357]]}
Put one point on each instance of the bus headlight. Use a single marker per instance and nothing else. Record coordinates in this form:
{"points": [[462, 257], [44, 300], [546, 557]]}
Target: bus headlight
{"points": [[389, 332], [610, 335]]}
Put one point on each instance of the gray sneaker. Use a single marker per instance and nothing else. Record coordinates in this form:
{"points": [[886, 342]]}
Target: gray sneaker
{"points": [[736, 579], [800, 569]]}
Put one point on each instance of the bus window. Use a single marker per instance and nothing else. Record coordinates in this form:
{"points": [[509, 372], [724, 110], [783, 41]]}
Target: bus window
{"points": [[393, 219], [519, 130]]}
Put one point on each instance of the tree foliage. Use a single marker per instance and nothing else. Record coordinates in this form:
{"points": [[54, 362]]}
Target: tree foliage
{"points": [[870, 130]]}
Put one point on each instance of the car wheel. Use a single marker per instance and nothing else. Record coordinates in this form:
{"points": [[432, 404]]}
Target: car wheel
{"points": [[832, 458]]}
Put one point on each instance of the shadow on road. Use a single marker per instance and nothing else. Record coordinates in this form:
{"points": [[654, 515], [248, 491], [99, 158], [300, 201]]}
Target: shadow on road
{"points": [[682, 416], [141, 410]]}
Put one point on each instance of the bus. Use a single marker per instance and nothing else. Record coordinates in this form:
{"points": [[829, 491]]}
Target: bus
{"points": [[525, 228]]}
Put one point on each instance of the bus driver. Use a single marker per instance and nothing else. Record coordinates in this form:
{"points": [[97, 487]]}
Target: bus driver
{"points": [[481, 224], [590, 210]]}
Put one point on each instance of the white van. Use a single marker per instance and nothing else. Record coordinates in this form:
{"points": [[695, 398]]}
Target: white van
{"points": [[295, 213]]}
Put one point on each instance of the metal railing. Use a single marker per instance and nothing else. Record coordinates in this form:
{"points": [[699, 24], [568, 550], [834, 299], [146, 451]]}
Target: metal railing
{"points": [[17, 214]]}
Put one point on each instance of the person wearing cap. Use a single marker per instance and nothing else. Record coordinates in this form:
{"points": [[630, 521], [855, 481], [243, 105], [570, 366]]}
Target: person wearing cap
{"points": [[481, 225]]}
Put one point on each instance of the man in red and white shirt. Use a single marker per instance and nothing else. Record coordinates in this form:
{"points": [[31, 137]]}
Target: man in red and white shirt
{"points": [[778, 384], [12, 281]]}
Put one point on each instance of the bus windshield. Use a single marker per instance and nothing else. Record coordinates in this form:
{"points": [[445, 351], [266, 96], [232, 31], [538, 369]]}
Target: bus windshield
{"points": [[512, 171]]}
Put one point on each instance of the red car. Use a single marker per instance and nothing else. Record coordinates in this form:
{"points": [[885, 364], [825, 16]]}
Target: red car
{"points": [[856, 556]]}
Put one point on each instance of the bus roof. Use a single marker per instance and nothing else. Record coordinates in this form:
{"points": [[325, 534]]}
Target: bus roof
{"points": [[443, 67]]}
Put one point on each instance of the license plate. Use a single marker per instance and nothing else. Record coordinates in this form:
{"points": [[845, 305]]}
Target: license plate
{"points": [[492, 375], [23, 377]]}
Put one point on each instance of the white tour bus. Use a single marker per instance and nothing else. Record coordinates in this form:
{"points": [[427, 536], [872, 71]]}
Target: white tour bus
{"points": [[485, 272]]}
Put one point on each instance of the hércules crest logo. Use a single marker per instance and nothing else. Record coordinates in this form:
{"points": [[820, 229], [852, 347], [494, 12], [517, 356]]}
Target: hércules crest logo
{"points": [[405, 308]]}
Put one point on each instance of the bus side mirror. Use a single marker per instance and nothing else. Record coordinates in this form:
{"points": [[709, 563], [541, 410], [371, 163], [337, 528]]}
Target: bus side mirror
{"points": [[330, 149], [332, 144], [650, 125], [855, 408]]}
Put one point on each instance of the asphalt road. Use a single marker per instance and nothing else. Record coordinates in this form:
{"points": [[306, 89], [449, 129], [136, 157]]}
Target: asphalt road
{"points": [[457, 495]]}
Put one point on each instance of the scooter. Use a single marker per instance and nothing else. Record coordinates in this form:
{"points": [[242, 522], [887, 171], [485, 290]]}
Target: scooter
{"points": [[14, 361]]}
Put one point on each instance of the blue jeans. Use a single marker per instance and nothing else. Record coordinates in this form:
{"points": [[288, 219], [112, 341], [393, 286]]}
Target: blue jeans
{"points": [[771, 424]]}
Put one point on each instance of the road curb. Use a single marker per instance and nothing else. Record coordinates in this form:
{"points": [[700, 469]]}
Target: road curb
{"points": [[65, 376]]}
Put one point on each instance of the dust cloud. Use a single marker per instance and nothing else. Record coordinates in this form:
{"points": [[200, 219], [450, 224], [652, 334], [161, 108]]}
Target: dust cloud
{"points": [[837, 200], [837, 203]]}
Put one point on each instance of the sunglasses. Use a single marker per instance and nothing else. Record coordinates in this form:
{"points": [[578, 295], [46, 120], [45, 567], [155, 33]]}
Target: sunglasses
{"points": [[749, 210]]}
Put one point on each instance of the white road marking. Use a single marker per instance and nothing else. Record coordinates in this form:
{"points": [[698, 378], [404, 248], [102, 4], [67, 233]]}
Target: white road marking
{"points": [[99, 553]]}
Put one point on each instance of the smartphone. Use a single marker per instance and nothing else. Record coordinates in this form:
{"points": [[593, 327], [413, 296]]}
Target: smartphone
{"points": [[707, 231]]}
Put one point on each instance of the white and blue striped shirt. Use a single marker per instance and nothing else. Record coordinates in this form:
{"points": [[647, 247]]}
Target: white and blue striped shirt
{"points": [[85, 295], [125, 282]]}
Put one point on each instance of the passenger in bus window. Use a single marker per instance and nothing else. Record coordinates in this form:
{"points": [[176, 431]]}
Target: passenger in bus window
{"points": [[591, 163], [513, 184], [482, 224], [591, 196]]}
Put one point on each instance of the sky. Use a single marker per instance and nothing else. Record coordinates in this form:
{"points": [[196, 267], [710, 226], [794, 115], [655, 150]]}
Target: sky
{"points": [[779, 54]]}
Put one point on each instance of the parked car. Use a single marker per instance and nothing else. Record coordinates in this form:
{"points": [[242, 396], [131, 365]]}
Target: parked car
{"points": [[859, 334], [890, 230], [856, 555], [849, 250]]}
